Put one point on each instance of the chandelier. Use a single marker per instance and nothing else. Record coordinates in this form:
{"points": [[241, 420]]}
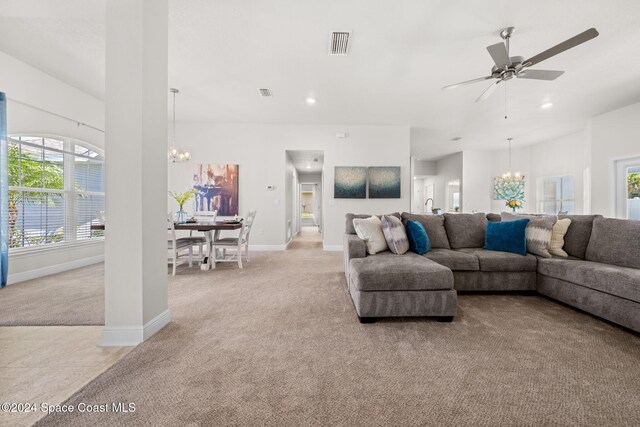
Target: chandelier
{"points": [[175, 154], [509, 175]]}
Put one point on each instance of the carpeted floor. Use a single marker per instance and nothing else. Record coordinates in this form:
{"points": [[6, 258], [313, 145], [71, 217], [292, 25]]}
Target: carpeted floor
{"points": [[72, 298], [278, 344]]}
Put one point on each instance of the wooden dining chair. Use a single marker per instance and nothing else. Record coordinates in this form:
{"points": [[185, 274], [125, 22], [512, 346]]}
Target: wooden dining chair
{"points": [[236, 244]]}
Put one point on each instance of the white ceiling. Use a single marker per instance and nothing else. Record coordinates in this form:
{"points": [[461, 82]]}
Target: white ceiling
{"points": [[307, 161], [402, 53]]}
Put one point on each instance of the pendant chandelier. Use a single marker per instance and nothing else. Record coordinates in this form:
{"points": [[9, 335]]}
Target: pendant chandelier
{"points": [[175, 154], [509, 175]]}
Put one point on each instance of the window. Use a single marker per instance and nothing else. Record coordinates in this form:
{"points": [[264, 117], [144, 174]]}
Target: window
{"points": [[628, 188], [56, 188], [555, 195]]}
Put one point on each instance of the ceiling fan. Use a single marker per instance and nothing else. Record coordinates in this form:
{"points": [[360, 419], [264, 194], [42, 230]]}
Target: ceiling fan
{"points": [[508, 67]]}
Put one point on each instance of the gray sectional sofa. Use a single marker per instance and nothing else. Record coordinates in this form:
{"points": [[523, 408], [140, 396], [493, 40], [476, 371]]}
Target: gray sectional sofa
{"points": [[601, 275]]}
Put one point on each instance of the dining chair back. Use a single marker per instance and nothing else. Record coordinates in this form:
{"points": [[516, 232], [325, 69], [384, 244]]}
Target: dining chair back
{"points": [[236, 243], [175, 245]]}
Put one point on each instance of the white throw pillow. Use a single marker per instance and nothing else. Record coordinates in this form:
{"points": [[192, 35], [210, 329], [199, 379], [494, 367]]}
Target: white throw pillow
{"points": [[560, 228], [370, 230]]}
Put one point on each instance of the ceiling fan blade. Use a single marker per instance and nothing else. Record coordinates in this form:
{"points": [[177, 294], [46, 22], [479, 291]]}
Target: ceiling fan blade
{"points": [[499, 54], [565, 45], [487, 93], [481, 79], [539, 74]]}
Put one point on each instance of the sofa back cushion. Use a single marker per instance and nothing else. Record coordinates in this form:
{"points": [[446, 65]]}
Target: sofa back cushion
{"points": [[615, 241], [348, 227], [494, 217], [577, 237], [465, 230], [434, 225]]}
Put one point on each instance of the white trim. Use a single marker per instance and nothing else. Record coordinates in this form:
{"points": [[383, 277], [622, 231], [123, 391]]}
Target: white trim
{"points": [[31, 250], [155, 324], [332, 248], [265, 248], [53, 269], [131, 336]]}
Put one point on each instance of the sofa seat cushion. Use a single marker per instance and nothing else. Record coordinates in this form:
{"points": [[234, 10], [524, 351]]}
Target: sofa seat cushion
{"points": [[502, 261], [390, 272], [622, 282], [455, 260]]}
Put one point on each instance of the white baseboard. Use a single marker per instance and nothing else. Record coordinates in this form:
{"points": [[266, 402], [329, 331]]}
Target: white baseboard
{"points": [[131, 336], [332, 248], [263, 248], [53, 269]]}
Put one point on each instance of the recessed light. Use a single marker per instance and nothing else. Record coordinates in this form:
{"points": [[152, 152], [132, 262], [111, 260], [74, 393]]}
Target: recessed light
{"points": [[310, 100], [546, 105]]}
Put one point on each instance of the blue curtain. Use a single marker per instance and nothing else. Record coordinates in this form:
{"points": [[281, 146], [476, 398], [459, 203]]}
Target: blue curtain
{"points": [[4, 194]]}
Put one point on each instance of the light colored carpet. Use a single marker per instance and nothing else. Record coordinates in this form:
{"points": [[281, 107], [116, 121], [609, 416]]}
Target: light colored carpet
{"points": [[72, 298], [279, 344]]}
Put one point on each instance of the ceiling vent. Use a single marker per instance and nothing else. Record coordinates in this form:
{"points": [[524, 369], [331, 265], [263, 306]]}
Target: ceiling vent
{"points": [[339, 43], [265, 92]]}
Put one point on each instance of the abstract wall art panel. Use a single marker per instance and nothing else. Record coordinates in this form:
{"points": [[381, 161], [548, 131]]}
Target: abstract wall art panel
{"points": [[350, 182], [384, 182], [217, 187]]}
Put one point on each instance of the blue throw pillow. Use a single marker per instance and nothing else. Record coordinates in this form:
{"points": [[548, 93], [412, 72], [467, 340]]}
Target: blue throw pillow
{"points": [[507, 236], [418, 239]]}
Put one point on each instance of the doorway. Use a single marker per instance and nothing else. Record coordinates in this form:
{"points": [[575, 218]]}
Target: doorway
{"points": [[628, 188], [306, 194]]}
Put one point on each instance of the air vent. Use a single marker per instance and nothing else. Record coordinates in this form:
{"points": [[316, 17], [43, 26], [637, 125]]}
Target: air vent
{"points": [[339, 43], [265, 92]]}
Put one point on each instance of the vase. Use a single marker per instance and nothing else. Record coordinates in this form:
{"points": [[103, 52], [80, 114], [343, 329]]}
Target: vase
{"points": [[513, 209], [181, 216]]}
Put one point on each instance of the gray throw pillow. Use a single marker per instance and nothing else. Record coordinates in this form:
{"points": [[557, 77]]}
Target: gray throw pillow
{"points": [[433, 225], [539, 232], [395, 234]]}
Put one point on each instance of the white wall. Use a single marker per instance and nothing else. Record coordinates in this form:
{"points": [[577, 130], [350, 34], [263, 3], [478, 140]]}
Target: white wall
{"points": [[26, 84], [559, 157], [477, 181], [614, 135], [260, 152]]}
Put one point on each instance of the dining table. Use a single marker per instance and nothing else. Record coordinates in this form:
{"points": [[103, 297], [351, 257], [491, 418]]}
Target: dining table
{"points": [[210, 229]]}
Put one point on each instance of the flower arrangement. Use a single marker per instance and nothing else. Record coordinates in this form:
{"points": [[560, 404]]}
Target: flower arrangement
{"points": [[181, 199], [514, 204]]}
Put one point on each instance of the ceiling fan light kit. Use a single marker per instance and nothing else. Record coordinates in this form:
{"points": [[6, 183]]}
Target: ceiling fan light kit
{"points": [[507, 67]]}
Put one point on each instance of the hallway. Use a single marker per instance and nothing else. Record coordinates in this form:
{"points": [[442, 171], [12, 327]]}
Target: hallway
{"points": [[308, 238]]}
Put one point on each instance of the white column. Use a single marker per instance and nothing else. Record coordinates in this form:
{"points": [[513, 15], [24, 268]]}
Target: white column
{"points": [[136, 304]]}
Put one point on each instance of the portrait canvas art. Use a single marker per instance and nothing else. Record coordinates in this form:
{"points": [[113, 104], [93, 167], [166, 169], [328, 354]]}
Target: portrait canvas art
{"points": [[217, 188], [384, 182], [350, 182]]}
